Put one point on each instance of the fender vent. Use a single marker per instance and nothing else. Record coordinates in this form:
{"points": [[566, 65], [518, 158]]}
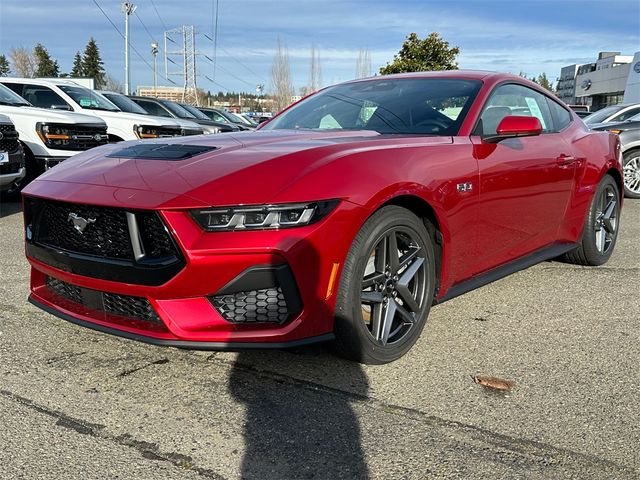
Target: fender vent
{"points": [[161, 151]]}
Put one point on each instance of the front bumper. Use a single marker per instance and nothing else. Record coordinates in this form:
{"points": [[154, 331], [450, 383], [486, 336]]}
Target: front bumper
{"points": [[189, 316], [13, 170]]}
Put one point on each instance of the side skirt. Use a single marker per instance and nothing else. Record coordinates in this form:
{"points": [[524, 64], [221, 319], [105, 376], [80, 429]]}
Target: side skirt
{"points": [[497, 273]]}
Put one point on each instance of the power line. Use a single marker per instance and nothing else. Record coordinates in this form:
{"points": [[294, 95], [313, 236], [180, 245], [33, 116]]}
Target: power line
{"points": [[259, 77], [144, 26], [159, 17], [132, 47]]}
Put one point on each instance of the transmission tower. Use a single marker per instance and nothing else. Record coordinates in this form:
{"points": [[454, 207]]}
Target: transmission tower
{"points": [[180, 51]]}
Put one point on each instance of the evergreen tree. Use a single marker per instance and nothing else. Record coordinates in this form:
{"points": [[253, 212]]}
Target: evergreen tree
{"points": [[4, 66], [78, 69], [544, 82], [416, 55], [45, 65], [92, 65]]}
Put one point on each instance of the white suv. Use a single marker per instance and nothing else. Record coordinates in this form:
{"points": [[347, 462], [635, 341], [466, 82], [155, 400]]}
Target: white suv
{"points": [[67, 95], [48, 136]]}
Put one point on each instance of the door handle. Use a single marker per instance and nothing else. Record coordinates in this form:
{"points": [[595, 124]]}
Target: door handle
{"points": [[565, 160]]}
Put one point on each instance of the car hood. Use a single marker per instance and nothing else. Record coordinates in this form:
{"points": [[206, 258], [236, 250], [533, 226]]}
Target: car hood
{"points": [[47, 115], [136, 117], [244, 168]]}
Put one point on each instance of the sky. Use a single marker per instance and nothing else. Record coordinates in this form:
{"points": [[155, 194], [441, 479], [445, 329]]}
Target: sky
{"points": [[530, 36]]}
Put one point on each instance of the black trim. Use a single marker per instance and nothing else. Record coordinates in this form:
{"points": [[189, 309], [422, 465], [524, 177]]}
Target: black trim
{"points": [[481, 280], [123, 271], [184, 343], [264, 277]]}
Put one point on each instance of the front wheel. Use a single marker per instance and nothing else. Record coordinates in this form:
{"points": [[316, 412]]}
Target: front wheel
{"points": [[631, 169], [386, 288], [601, 226]]}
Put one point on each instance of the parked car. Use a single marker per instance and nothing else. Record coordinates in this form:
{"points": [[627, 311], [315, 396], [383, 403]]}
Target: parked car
{"points": [[344, 218], [169, 109], [12, 169], [225, 126], [629, 133], [47, 137], [226, 117], [125, 104], [612, 113], [582, 113], [67, 95]]}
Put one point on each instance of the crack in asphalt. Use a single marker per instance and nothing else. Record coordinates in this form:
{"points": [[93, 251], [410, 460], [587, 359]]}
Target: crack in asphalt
{"points": [[520, 446], [126, 373], [148, 450]]}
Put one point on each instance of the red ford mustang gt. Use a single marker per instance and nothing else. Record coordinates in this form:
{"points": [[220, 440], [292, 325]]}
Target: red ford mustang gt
{"points": [[344, 218]]}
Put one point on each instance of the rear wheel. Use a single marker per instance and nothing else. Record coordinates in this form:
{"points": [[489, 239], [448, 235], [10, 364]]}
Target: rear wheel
{"points": [[601, 227], [386, 288], [631, 169]]}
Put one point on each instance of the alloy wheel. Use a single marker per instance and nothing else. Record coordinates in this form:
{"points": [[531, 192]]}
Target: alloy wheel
{"points": [[606, 221], [631, 172], [393, 286]]}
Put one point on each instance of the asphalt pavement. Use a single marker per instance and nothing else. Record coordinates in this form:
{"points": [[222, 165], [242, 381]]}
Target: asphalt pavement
{"points": [[78, 404]]}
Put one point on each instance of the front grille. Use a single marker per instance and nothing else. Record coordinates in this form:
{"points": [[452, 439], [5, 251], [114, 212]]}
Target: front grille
{"points": [[8, 168], [9, 140], [105, 234], [256, 306], [81, 137], [136, 308], [189, 131]]}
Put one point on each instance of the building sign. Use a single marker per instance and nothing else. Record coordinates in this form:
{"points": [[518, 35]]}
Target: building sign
{"points": [[586, 84]]}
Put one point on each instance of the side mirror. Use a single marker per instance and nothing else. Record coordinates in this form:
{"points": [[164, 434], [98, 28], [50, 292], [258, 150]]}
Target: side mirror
{"points": [[60, 107], [513, 126]]}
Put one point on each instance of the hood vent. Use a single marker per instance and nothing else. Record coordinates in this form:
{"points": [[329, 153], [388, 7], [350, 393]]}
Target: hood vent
{"points": [[160, 151]]}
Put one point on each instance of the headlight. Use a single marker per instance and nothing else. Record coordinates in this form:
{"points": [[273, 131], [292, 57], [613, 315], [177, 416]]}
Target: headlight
{"points": [[262, 217], [53, 135], [150, 131], [208, 129]]}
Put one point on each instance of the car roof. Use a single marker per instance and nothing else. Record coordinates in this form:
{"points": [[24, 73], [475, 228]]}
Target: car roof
{"points": [[41, 81], [461, 74]]}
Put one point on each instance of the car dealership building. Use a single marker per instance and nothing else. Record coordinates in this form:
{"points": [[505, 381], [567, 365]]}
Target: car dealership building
{"points": [[611, 79]]}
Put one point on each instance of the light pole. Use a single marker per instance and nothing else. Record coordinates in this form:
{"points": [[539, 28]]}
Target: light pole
{"points": [[128, 8], [154, 52]]}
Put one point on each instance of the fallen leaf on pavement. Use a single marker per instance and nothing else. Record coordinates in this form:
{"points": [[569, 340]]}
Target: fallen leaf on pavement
{"points": [[493, 382]]}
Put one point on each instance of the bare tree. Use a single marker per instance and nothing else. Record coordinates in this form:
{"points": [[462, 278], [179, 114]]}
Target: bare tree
{"points": [[23, 62], [112, 84], [315, 74], [363, 66], [281, 77]]}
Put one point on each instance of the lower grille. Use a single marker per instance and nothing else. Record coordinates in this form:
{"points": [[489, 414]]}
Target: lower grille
{"points": [[255, 306], [8, 139], [136, 308], [9, 168]]}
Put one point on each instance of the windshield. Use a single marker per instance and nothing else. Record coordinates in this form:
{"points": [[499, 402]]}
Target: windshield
{"points": [[124, 103], [178, 110], [88, 98], [601, 115], [9, 97], [195, 112], [431, 106]]}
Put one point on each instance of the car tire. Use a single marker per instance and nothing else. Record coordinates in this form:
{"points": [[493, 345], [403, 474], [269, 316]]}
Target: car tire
{"points": [[601, 227], [382, 303], [631, 170]]}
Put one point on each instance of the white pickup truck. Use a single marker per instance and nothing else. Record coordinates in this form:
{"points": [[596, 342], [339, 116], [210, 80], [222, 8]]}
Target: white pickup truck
{"points": [[48, 136], [67, 95], [11, 157]]}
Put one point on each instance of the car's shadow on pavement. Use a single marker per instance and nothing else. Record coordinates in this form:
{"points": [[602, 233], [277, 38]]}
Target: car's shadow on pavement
{"points": [[9, 208], [294, 427]]}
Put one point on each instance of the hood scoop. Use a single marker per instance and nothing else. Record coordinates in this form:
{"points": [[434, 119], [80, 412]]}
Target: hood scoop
{"points": [[160, 151]]}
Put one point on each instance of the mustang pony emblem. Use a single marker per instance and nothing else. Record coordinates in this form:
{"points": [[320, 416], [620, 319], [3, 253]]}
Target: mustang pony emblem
{"points": [[80, 223]]}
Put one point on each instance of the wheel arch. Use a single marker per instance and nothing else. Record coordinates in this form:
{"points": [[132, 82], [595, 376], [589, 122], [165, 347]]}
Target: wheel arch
{"points": [[423, 210]]}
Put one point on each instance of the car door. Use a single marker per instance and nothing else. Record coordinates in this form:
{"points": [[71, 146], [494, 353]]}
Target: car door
{"points": [[525, 182]]}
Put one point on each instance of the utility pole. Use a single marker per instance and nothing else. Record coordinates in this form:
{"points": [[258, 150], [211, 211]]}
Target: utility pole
{"points": [[154, 52], [185, 54], [127, 8]]}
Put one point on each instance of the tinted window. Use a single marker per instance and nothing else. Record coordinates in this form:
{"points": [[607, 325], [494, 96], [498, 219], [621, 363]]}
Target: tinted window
{"points": [[152, 107], [625, 115], [124, 103], [9, 97], [601, 115], [43, 97], [431, 106], [177, 110], [518, 100], [561, 117], [88, 99], [195, 112]]}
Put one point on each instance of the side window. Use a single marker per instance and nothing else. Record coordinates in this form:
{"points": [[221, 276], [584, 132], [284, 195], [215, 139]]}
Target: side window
{"points": [[44, 97], [16, 87], [513, 99], [621, 117], [561, 118], [219, 118], [153, 108]]}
